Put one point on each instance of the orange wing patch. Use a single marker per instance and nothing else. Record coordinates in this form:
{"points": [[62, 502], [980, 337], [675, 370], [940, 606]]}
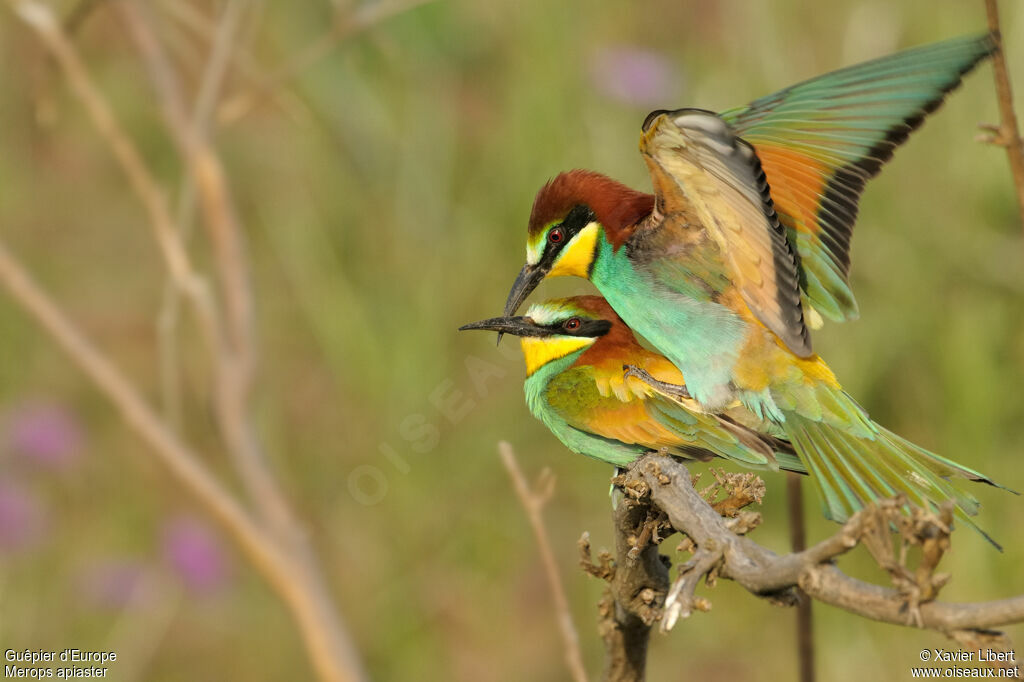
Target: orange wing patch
{"points": [[698, 164], [796, 182]]}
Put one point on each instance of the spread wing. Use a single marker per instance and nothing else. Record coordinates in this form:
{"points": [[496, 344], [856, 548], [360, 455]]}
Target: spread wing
{"points": [[820, 141], [631, 412], [702, 171]]}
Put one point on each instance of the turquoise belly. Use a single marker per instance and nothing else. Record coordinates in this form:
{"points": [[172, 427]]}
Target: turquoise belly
{"points": [[702, 338]]}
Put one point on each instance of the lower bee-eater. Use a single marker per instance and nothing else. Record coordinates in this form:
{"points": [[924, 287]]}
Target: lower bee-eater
{"points": [[746, 234], [575, 350]]}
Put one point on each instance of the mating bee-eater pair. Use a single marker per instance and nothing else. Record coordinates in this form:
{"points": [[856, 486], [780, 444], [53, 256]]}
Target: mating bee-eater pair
{"points": [[742, 248]]}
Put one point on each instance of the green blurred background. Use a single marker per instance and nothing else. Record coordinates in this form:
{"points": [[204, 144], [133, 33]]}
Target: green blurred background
{"points": [[385, 193]]}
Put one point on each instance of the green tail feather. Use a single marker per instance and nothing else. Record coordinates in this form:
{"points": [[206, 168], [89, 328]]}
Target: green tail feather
{"points": [[790, 462], [851, 470]]}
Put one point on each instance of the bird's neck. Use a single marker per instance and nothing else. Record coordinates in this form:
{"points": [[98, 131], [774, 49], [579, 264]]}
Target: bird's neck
{"points": [[537, 382], [620, 210]]}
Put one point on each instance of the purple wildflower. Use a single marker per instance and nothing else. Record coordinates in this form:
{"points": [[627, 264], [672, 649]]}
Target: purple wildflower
{"points": [[47, 434], [22, 519], [634, 75], [195, 553]]}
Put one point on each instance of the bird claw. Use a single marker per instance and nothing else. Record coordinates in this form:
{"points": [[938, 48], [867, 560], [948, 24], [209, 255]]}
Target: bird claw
{"points": [[664, 387]]}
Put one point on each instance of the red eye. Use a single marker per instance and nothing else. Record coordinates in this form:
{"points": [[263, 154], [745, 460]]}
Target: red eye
{"points": [[572, 324], [556, 236]]}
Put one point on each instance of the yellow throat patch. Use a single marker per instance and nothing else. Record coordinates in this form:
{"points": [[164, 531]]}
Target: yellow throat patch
{"points": [[539, 351], [576, 256]]}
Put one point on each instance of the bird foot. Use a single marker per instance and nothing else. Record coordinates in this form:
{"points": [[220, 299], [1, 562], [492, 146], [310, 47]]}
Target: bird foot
{"points": [[674, 390]]}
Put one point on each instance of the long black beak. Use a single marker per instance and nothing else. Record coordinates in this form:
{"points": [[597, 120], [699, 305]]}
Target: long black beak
{"points": [[519, 326], [529, 277], [527, 280]]}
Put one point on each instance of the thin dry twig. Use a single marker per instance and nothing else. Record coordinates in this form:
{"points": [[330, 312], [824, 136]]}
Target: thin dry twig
{"points": [[798, 543], [533, 501], [343, 28], [41, 18], [1007, 134], [234, 359], [280, 550], [193, 23], [221, 53], [329, 646], [217, 206], [181, 273]]}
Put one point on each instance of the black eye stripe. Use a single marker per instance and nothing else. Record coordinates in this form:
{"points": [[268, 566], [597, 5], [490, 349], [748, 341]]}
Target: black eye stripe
{"points": [[579, 217], [588, 328]]}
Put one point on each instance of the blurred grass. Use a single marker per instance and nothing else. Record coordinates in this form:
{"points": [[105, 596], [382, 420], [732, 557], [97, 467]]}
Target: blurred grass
{"points": [[385, 206]]}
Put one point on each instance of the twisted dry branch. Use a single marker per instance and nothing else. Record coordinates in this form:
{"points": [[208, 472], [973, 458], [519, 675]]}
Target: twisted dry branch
{"points": [[656, 485]]}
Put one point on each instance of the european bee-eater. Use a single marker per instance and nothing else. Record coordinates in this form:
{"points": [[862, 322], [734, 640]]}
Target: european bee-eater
{"points": [[575, 350], [746, 236]]}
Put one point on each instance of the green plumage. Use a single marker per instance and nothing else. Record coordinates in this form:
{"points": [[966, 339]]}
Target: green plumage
{"points": [[567, 401], [577, 389], [745, 245], [854, 461], [845, 125]]}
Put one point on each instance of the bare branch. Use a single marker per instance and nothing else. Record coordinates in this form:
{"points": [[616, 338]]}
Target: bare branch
{"points": [[234, 360], [168, 235], [798, 543], [1007, 134], [533, 501], [659, 487], [329, 647], [198, 26], [219, 213], [221, 53], [280, 550], [767, 574], [363, 18], [40, 18], [638, 584]]}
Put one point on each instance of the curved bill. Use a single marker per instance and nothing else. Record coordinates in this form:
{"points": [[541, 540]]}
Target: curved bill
{"points": [[527, 280], [519, 326]]}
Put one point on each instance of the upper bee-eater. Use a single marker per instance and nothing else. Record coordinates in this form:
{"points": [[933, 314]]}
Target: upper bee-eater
{"points": [[747, 236], [575, 349]]}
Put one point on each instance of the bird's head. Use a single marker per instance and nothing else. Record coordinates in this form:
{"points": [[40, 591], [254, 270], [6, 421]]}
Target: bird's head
{"points": [[556, 328], [569, 215]]}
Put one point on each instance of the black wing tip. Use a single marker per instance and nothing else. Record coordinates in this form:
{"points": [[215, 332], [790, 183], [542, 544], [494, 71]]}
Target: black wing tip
{"points": [[848, 183], [991, 40], [988, 481], [991, 540], [788, 269]]}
